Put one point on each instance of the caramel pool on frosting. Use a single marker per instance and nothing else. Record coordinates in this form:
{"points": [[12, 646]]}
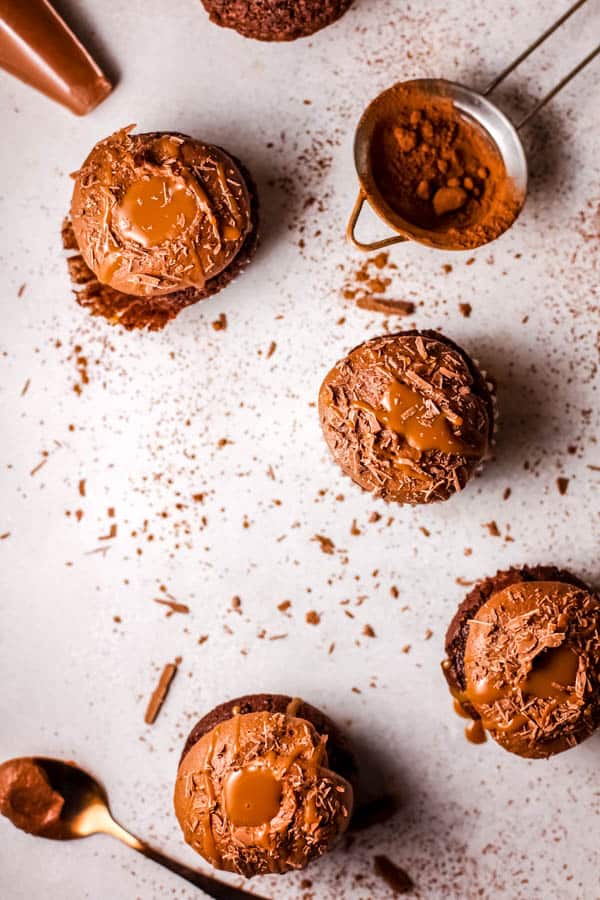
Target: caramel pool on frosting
{"points": [[252, 796], [155, 209], [407, 413]]}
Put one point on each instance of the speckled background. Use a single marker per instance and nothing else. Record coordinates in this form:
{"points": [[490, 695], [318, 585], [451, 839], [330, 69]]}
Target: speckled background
{"points": [[143, 419]]}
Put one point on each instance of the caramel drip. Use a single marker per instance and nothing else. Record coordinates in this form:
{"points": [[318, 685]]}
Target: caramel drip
{"points": [[293, 706], [408, 414], [475, 732], [155, 210], [459, 709], [252, 796], [236, 740]]}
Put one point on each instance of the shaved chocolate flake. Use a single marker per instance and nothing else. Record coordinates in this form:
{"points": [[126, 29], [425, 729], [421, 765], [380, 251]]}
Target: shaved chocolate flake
{"points": [[391, 307], [220, 324], [82, 488], [397, 879], [312, 617], [492, 528], [368, 631], [562, 485], [272, 349], [326, 544], [160, 692], [37, 468], [465, 309], [173, 605]]}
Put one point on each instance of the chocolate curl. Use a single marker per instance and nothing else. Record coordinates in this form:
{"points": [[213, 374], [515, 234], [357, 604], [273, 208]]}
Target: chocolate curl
{"points": [[39, 48]]}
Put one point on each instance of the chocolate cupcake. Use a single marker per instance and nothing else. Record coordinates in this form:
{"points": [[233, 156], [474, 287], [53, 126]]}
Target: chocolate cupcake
{"points": [[523, 658], [409, 416], [275, 20], [160, 221], [265, 785]]}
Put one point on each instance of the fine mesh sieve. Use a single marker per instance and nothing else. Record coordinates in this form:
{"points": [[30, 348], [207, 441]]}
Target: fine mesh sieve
{"points": [[474, 107]]}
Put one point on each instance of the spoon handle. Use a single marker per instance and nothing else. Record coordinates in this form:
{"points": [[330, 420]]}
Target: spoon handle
{"points": [[214, 888]]}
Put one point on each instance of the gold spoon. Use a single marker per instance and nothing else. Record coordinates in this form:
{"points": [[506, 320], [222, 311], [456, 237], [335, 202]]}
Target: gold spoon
{"points": [[86, 812]]}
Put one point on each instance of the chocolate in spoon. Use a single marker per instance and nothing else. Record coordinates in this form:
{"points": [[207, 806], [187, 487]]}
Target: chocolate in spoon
{"points": [[55, 799]]}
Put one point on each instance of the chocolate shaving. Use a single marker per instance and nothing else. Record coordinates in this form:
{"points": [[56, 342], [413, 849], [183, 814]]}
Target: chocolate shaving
{"points": [[397, 879], [160, 692], [393, 307]]}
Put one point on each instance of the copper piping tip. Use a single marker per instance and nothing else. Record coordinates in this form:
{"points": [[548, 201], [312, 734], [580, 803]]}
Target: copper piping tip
{"points": [[39, 48]]}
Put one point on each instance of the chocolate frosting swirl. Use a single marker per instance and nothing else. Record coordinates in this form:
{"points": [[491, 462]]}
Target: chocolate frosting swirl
{"points": [[157, 213]]}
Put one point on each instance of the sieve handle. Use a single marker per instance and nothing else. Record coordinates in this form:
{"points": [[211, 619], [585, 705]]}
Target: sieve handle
{"points": [[541, 103], [529, 50], [375, 245]]}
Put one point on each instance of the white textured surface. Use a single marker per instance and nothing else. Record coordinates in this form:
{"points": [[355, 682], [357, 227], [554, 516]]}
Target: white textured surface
{"points": [[475, 822]]}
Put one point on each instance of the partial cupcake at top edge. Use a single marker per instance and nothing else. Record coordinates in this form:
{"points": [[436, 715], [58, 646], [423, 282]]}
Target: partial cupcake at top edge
{"points": [[265, 785], [275, 20], [523, 658], [160, 221], [409, 416]]}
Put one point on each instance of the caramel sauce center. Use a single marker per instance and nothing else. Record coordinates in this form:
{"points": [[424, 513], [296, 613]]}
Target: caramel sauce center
{"points": [[405, 411], [155, 210], [552, 675], [552, 672], [252, 797]]}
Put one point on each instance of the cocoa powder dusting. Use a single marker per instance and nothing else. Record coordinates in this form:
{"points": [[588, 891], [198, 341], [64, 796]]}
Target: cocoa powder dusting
{"points": [[437, 170]]}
